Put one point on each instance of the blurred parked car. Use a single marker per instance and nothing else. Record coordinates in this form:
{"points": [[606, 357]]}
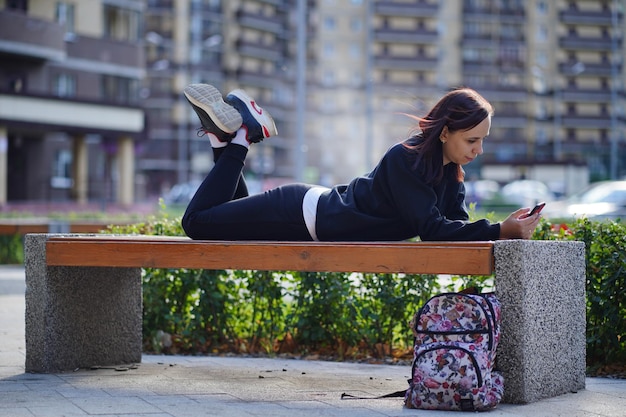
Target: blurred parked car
{"points": [[526, 193], [481, 190], [181, 193], [600, 201]]}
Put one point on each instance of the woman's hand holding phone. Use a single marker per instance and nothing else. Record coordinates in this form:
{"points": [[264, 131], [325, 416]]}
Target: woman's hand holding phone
{"points": [[536, 209]]}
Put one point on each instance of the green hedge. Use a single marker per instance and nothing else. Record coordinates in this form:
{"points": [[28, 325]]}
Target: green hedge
{"points": [[605, 244], [11, 249], [335, 314], [342, 315], [349, 315]]}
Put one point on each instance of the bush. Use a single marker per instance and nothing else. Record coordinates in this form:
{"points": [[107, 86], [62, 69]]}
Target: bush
{"points": [[11, 249], [262, 312], [343, 315], [349, 316], [605, 247]]}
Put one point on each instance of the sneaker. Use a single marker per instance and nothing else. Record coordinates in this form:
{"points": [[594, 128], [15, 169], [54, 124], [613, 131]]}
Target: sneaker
{"points": [[217, 117], [257, 122]]}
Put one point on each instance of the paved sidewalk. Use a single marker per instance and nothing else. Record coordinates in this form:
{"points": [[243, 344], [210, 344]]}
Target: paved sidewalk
{"points": [[165, 386]]}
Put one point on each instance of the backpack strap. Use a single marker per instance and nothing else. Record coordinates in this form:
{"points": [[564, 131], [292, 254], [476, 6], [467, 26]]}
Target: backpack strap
{"points": [[396, 394], [467, 405]]}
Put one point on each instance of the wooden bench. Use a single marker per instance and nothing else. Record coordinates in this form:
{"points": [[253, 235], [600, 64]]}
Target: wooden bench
{"points": [[21, 227], [83, 298]]}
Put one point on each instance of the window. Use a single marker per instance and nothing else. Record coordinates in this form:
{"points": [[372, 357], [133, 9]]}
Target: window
{"points": [[64, 85], [17, 5], [329, 50], [330, 23], [65, 15], [121, 24], [355, 50], [120, 90], [329, 78], [61, 169], [542, 33], [542, 7], [604, 110], [541, 111], [542, 58], [541, 136], [356, 25]]}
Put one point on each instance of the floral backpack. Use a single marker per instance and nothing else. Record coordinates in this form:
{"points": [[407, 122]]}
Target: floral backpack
{"points": [[456, 336]]}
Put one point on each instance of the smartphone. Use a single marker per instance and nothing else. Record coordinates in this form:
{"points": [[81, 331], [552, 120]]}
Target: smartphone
{"points": [[536, 209]]}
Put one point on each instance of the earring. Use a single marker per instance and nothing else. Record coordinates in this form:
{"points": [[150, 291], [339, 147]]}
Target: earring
{"points": [[442, 141]]}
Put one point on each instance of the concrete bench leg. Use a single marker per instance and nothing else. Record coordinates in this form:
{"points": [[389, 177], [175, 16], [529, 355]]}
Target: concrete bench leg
{"points": [[541, 285], [79, 317]]}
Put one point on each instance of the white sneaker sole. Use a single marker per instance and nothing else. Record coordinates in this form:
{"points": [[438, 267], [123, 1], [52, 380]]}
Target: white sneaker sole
{"points": [[209, 99]]}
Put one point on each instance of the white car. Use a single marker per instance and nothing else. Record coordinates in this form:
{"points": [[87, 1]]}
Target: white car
{"points": [[526, 193], [480, 190], [601, 200], [181, 193]]}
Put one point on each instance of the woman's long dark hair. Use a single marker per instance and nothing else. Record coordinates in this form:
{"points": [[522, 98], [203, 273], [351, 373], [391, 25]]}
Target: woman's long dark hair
{"points": [[459, 109]]}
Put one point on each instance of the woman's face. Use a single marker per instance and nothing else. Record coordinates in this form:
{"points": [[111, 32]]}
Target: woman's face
{"points": [[463, 146]]}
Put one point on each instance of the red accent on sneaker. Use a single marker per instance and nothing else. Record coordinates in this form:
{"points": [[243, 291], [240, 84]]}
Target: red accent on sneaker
{"points": [[256, 108], [244, 127], [266, 132]]}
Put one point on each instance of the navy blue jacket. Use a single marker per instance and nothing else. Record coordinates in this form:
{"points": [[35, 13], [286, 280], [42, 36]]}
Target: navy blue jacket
{"points": [[394, 203]]}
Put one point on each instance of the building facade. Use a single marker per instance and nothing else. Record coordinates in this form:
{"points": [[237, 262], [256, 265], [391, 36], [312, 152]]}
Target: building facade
{"points": [[552, 69], [234, 44], [340, 78], [70, 118]]}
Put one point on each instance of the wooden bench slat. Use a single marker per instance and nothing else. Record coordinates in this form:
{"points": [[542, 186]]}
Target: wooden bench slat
{"points": [[467, 258], [17, 228], [20, 229]]}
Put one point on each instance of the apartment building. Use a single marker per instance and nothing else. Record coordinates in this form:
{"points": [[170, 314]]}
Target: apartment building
{"points": [[70, 119], [553, 70], [235, 44]]}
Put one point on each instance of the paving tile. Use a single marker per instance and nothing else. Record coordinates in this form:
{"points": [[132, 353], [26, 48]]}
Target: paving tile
{"points": [[114, 405], [56, 409], [15, 412]]}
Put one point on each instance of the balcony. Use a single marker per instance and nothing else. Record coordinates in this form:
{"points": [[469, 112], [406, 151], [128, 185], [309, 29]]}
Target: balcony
{"points": [[512, 15], [260, 79], [389, 88], [586, 95], [509, 118], [44, 111], [21, 35], [582, 121], [501, 14], [276, 3], [405, 36], [419, 8], [412, 63], [260, 50], [498, 92], [597, 69], [261, 22], [577, 17], [494, 67], [587, 43], [114, 57], [162, 4]]}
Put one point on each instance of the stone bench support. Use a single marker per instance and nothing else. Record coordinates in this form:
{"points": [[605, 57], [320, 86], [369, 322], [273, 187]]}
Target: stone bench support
{"points": [[541, 285]]}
